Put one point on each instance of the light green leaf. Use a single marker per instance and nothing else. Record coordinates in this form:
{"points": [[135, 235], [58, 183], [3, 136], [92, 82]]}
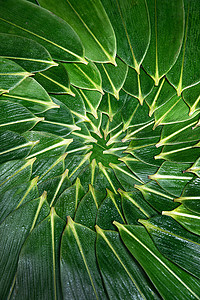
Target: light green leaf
{"points": [[58, 121], [42, 26], [171, 177], [15, 117], [86, 212], [14, 146], [54, 187], [109, 211], [167, 29], [184, 152], [170, 280], [138, 85], [68, 201], [84, 76], [30, 94], [113, 258], [11, 74], [169, 112], [133, 34], [92, 100], [93, 34], [181, 132], [14, 231], [190, 196], [135, 207], [175, 243], [156, 196], [192, 97], [195, 168], [48, 144], [184, 73], [80, 276], [187, 218], [16, 196], [15, 172], [113, 77], [141, 169], [29, 54], [55, 80], [38, 266]]}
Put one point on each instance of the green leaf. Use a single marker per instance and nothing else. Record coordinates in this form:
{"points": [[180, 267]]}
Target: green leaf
{"points": [[92, 100], [75, 104], [184, 74], [16, 196], [195, 168], [68, 201], [55, 187], [29, 54], [113, 77], [156, 196], [40, 25], [170, 239], [128, 281], [159, 95], [30, 94], [190, 196], [55, 80], [11, 74], [93, 34], [80, 276], [109, 211], [49, 167], [143, 149], [38, 266], [14, 146], [135, 207], [48, 144], [171, 177], [169, 112], [15, 172], [84, 76], [58, 121], [125, 176], [133, 34], [170, 280], [133, 113], [181, 132], [187, 218], [14, 231], [15, 117], [86, 212], [192, 97], [141, 169], [138, 85], [184, 152], [167, 29]]}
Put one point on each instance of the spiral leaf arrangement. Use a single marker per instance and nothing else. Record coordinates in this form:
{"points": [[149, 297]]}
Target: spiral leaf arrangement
{"points": [[99, 149]]}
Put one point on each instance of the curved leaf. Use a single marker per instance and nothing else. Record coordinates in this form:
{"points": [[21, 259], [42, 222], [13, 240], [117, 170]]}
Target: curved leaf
{"points": [[29, 54], [133, 34], [184, 74], [42, 26], [167, 30], [38, 263], [80, 276], [93, 34]]}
